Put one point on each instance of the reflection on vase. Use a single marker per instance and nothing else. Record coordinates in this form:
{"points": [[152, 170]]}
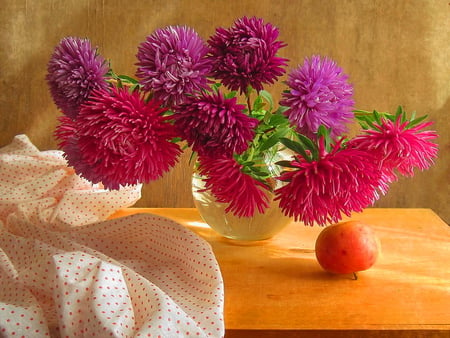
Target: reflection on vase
{"points": [[258, 227]]}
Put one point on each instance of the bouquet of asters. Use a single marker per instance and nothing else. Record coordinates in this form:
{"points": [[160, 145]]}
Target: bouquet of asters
{"points": [[209, 95]]}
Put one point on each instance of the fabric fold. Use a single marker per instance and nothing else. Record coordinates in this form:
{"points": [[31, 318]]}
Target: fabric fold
{"points": [[67, 273]]}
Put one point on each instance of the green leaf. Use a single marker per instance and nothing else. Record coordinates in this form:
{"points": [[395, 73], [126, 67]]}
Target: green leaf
{"points": [[258, 104], [215, 86], [281, 110], [111, 74], [285, 164], [248, 163], [295, 146], [416, 121], [135, 87], [276, 120], [376, 117], [273, 139], [230, 95], [193, 157], [309, 145], [325, 133], [268, 97], [366, 122], [258, 172], [126, 78]]}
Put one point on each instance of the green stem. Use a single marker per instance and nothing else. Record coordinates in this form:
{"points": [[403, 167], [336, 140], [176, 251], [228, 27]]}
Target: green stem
{"points": [[249, 104]]}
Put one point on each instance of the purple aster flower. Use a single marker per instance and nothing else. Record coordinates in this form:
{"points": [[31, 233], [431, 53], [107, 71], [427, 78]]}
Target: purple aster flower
{"points": [[213, 124], [119, 139], [319, 95], [246, 54], [74, 71], [173, 63]]}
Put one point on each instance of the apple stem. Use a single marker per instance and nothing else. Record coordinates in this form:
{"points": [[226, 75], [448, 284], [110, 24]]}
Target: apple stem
{"points": [[355, 276]]}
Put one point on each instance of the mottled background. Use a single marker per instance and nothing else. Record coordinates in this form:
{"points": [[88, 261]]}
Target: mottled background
{"points": [[396, 52]]}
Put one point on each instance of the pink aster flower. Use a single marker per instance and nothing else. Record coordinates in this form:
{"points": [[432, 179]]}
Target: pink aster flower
{"points": [[120, 139], [74, 71], [226, 181], [341, 181], [246, 54], [173, 63], [398, 147], [213, 124], [66, 131], [319, 94], [66, 134], [67, 138]]}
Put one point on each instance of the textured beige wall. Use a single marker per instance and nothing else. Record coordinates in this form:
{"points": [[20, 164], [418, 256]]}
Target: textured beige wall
{"points": [[396, 52]]}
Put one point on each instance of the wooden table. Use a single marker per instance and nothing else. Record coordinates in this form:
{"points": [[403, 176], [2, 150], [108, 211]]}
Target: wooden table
{"points": [[275, 288]]}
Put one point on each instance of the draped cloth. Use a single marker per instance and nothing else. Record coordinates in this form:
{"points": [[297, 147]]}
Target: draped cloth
{"points": [[67, 270]]}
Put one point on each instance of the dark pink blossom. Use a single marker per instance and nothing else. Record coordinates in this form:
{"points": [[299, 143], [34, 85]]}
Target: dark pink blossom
{"points": [[319, 94], [398, 147], [246, 54], [341, 181], [223, 176], [213, 124], [75, 70], [172, 63], [119, 139]]}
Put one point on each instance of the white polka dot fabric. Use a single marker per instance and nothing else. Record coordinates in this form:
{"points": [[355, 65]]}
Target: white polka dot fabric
{"points": [[62, 275], [42, 179]]}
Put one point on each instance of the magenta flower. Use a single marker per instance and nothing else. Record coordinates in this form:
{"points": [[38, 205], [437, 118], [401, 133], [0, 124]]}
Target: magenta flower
{"points": [[213, 124], [319, 95], [398, 147], [246, 54], [67, 138], [119, 139], [74, 71], [173, 63], [66, 131], [341, 181], [228, 184]]}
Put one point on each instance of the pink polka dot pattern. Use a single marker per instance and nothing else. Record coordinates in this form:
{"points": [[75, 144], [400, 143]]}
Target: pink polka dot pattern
{"points": [[138, 276], [61, 197]]}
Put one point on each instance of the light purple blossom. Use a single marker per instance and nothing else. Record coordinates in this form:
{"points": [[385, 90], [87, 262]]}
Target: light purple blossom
{"points": [[319, 94], [74, 71], [172, 63]]}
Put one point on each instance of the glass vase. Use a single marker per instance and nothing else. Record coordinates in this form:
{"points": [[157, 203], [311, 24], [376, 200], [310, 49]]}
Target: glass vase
{"points": [[261, 226]]}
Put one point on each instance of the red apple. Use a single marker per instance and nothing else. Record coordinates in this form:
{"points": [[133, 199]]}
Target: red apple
{"points": [[347, 247]]}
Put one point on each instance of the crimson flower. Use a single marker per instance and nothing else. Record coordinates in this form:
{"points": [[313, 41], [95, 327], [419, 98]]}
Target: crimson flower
{"points": [[246, 54], [340, 181], [213, 124], [67, 138], [74, 71], [319, 95], [173, 63], [223, 176], [119, 139], [399, 147]]}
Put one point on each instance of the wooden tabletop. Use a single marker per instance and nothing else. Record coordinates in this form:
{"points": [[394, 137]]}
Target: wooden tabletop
{"points": [[276, 288]]}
